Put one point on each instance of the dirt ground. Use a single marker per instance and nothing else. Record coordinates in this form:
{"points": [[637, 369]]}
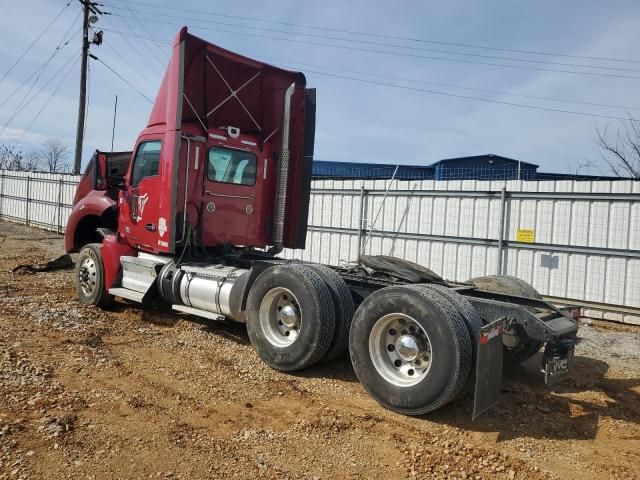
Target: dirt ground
{"points": [[151, 394]]}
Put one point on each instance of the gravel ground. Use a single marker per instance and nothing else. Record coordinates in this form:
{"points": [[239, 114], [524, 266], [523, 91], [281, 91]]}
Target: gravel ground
{"points": [[150, 394]]}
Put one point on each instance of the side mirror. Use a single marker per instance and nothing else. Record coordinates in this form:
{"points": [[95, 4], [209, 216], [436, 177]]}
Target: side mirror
{"points": [[100, 182]]}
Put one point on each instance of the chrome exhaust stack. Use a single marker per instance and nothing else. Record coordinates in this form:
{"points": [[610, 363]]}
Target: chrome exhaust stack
{"points": [[283, 175]]}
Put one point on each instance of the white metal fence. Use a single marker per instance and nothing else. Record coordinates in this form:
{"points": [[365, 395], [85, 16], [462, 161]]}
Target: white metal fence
{"points": [[585, 235], [39, 199], [580, 240]]}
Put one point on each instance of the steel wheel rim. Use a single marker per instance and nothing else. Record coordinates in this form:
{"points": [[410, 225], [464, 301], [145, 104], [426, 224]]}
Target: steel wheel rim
{"points": [[87, 276], [400, 350], [280, 317]]}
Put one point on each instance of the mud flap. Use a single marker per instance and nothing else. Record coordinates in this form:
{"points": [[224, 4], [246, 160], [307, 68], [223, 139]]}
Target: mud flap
{"points": [[488, 367]]}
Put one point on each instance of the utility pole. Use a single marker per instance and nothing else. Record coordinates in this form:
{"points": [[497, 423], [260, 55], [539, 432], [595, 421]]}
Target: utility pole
{"points": [[88, 7], [82, 102]]}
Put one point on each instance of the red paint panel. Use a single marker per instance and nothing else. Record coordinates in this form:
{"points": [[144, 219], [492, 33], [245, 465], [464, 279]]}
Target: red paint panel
{"points": [[112, 250]]}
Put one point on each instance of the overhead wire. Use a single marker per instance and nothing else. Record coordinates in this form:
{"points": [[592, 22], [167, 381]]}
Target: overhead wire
{"points": [[32, 44], [23, 106], [481, 99], [468, 97], [124, 36], [386, 36], [121, 78], [403, 54], [53, 93], [162, 52], [152, 52], [380, 44], [38, 71], [449, 85], [128, 63]]}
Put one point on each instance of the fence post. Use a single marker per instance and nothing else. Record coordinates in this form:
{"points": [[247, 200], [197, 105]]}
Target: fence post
{"points": [[361, 219], [1, 193], [59, 206], [503, 209], [28, 199]]}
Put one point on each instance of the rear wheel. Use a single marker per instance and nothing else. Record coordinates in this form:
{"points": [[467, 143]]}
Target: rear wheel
{"points": [[410, 348], [90, 277], [471, 318], [516, 350], [290, 317], [344, 310]]}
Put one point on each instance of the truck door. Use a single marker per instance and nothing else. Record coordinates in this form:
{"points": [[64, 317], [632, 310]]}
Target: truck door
{"points": [[231, 213], [143, 195]]}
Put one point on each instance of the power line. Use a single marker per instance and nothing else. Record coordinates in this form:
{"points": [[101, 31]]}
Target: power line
{"points": [[415, 80], [162, 52], [18, 111], [467, 97], [38, 71], [53, 93], [121, 77], [404, 54], [513, 104], [124, 59], [387, 36], [151, 51], [380, 44], [124, 35], [34, 42]]}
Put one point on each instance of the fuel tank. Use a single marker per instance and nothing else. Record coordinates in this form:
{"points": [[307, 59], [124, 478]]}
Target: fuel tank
{"points": [[212, 288]]}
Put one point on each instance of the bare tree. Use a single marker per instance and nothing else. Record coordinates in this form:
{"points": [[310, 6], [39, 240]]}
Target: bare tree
{"points": [[53, 155], [622, 148], [12, 159]]}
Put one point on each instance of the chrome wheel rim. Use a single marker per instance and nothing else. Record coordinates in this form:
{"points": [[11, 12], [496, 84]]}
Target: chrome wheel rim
{"points": [[280, 317], [400, 349], [87, 276]]}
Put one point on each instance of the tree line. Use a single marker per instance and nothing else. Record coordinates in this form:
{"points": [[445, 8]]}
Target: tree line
{"points": [[50, 157]]}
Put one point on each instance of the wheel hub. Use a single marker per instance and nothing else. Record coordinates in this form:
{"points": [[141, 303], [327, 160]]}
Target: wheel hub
{"points": [[289, 316], [87, 276], [400, 349], [280, 317], [408, 348]]}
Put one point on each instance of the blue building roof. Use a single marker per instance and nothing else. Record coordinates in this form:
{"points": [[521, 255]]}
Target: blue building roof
{"points": [[486, 167]]}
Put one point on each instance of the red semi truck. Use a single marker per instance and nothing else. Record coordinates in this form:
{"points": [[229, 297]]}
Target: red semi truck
{"points": [[218, 183]]}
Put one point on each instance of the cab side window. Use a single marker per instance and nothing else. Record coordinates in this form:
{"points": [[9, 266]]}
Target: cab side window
{"points": [[147, 161]]}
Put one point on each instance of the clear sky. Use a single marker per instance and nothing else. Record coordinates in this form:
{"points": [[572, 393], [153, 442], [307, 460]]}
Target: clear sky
{"points": [[357, 121]]}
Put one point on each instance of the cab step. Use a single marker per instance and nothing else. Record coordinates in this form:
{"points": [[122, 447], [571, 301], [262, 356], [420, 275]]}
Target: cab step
{"points": [[127, 294], [199, 313]]}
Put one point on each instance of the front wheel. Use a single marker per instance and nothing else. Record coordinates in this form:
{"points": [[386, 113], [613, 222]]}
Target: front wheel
{"points": [[410, 348], [90, 277]]}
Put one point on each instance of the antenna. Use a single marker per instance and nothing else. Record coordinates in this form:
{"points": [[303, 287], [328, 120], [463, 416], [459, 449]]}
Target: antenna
{"points": [[113, 130]]}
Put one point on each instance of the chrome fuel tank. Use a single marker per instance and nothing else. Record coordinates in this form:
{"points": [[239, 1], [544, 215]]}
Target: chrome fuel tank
{"points": [[212, 288]]}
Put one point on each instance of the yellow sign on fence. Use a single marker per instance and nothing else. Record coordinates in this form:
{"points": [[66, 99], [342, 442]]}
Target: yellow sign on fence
{"points": [[525, 235]]}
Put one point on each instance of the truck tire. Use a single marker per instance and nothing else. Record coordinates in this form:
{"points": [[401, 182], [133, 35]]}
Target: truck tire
{"points": [[410, 348], [505, 284], [472, 321], [290, 317], [344, 310], [511, 286], [89, 277]]}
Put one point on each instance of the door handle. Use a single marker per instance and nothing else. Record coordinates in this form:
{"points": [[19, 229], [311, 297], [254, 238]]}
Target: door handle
{"points": [[245, 197], [151, 227]]}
